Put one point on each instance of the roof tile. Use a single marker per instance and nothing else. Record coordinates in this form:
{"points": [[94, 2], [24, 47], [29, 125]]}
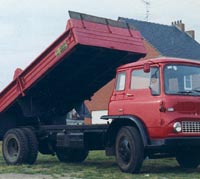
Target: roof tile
{"points": [[168, 40]]}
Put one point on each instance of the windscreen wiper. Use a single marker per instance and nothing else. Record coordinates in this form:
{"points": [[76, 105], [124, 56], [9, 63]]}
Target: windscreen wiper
{"points": [[184, 92], [188, 92], [196, 89]]}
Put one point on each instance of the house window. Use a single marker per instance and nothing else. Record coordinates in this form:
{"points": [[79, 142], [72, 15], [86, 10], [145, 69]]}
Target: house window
{"points": [[188, 82], [120, 84]]}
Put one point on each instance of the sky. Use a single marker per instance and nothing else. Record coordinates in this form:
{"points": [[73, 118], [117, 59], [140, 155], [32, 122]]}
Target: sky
{"points": [[28, 27]]}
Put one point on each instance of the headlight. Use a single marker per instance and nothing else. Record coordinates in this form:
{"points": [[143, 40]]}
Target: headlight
{"points": [[177, 126]]}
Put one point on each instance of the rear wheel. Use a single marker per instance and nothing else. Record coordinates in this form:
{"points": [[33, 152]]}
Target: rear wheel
{"points": [[15, 147], [129, 150], [32, 145], [72, 155], [189, 159]]}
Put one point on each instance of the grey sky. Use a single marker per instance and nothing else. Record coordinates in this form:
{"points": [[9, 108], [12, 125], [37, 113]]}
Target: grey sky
{"points": [[27, 27]]}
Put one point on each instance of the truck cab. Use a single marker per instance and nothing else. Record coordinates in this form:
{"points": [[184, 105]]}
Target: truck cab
{"points": [[161, 99], [163, 93]]}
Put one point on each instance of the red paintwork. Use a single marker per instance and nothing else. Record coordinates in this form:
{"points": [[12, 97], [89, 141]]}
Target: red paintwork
{"points": [[18, 71], [146, 107], [77, 32]]}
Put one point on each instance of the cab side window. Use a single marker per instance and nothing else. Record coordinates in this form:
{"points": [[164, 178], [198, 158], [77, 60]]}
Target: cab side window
{"points": [[120, 81], [139, 79], [142, 80]]}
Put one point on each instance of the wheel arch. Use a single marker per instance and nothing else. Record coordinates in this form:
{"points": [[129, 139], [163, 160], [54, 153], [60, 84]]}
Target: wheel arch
{"points": [[128, 120]]}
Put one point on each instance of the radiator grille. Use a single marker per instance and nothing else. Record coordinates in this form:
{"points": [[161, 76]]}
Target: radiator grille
{"points": [[191, 126]]}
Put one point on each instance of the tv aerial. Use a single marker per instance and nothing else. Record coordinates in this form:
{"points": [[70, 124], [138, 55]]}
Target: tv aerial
{"points": [[147, 3]]}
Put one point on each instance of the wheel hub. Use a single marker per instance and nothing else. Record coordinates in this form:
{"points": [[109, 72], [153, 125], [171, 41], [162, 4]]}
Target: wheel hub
{"points": [[13, 148], [124, 150]]}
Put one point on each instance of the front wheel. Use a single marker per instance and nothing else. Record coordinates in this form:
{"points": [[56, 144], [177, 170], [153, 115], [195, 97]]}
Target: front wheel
{"points": [[129, 150]]}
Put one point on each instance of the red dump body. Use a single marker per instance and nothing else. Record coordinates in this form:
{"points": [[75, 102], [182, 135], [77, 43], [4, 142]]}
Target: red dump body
{"points": [[87, 53]]}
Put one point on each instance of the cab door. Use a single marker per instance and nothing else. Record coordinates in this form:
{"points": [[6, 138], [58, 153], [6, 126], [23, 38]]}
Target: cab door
{"points": [[116, 106], [143, 97]]}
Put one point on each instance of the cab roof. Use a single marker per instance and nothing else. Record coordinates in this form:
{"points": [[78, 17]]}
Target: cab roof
{"points": [[160, 60]]}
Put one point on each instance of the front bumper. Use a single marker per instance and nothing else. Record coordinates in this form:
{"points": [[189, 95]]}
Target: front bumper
{"points": [[176, 142]]}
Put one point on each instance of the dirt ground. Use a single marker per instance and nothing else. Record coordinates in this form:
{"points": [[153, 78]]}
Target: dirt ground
{"points": [[29, 176]]}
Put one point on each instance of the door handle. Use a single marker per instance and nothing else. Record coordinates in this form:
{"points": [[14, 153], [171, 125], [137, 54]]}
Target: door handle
{"points": [[120, 110], [129, 95]]}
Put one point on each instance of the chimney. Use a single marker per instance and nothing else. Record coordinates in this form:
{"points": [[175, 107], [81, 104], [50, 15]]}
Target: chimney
{"points": [[191, 33], [179, 25]]}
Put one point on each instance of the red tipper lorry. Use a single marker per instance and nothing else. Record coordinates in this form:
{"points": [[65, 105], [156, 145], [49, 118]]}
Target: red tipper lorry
{"points": [[154, 107]]}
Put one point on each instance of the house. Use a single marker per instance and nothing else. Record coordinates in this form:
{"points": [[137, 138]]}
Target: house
{"points": [[171, 41], [159, 40]]}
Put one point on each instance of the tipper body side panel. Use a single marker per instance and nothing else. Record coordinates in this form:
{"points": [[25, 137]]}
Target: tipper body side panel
{"points": [[82, 60]]}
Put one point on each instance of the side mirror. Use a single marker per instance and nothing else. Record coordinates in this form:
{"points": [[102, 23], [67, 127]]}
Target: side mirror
{"points": [[146, 68]]}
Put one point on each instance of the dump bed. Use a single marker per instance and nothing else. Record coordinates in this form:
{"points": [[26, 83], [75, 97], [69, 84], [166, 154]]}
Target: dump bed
{"points": [[77, 64]]}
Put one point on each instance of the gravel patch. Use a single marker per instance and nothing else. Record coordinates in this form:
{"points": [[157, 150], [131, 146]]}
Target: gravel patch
{"points": [[29, 176]]}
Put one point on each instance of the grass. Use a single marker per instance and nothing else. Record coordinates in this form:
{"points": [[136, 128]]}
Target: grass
{"points": [[97, 166]]}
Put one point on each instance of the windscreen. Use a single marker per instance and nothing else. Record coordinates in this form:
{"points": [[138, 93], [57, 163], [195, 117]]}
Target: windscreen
{"points": [[182, 79]]}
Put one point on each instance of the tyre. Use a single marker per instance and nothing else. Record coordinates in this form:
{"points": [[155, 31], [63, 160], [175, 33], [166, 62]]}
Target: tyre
{"points": [[32, 145], [72, 155], [15, 147], [129, 150], [189, 159]]}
